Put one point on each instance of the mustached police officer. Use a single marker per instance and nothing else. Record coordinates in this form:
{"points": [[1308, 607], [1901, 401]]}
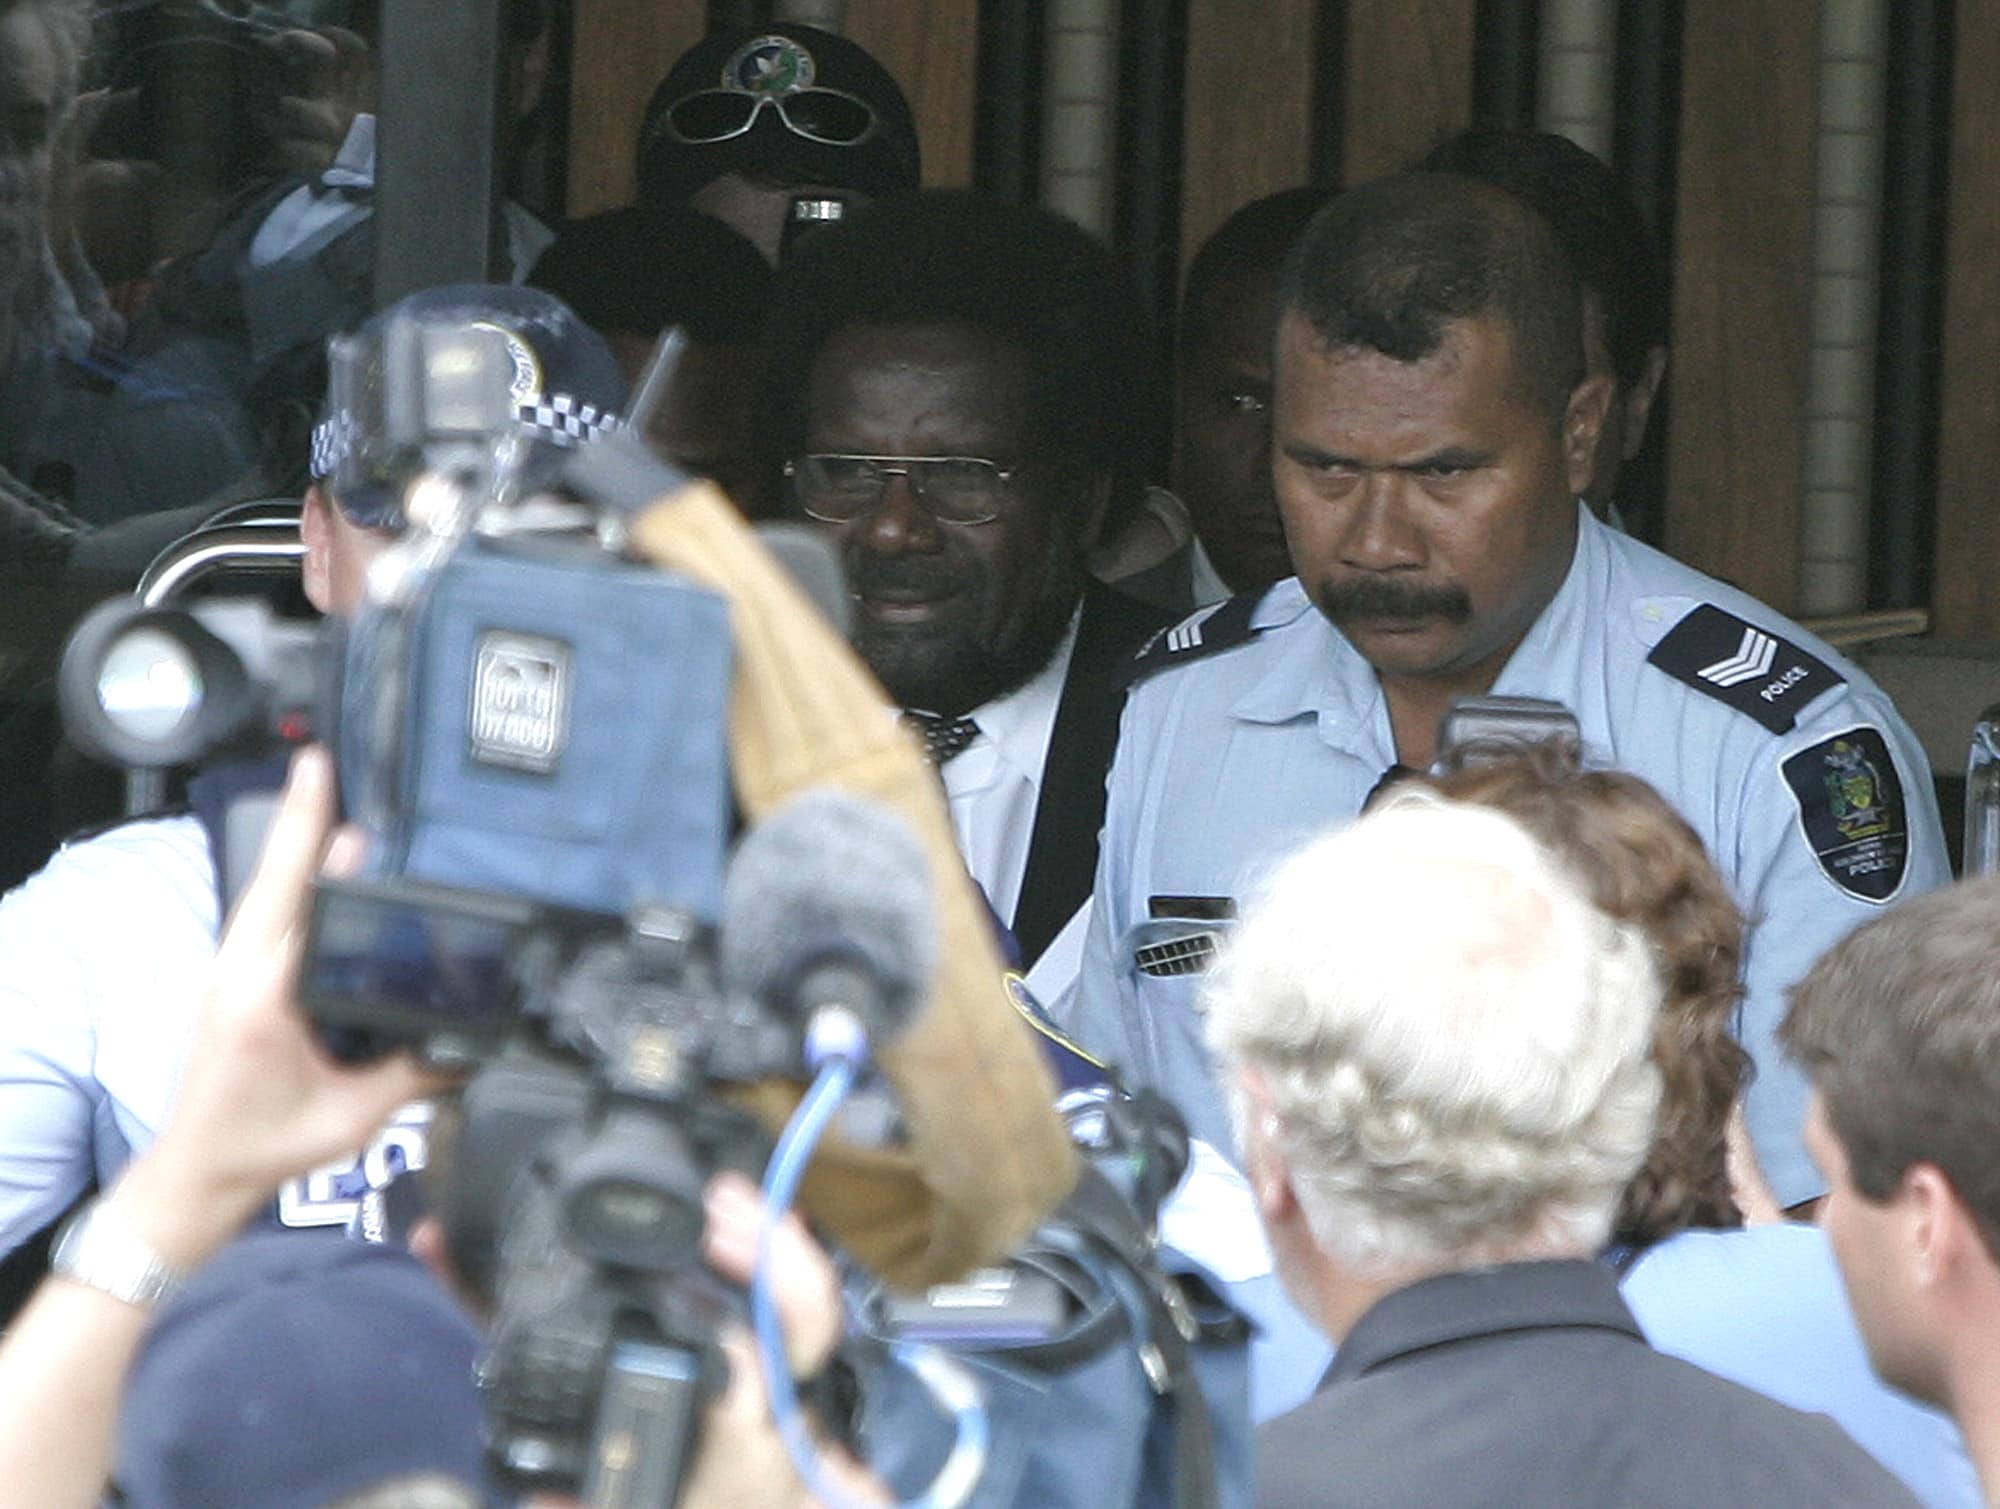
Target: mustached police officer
{"points": [[1433, 430]]}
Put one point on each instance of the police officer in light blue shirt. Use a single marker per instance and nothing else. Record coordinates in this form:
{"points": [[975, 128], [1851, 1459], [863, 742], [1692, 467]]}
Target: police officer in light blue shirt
{"points": [[1433, 429]]}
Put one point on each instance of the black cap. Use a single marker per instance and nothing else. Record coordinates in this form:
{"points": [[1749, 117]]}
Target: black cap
{"points": [[638, 270], [297, 1369], [780, 62]]}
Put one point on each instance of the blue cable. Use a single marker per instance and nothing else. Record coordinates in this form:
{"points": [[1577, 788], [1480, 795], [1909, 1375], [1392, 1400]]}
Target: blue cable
{"points": [[949, 1383]]}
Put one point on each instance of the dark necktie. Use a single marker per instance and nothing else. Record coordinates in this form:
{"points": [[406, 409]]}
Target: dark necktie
{"points": [[943, 737]]}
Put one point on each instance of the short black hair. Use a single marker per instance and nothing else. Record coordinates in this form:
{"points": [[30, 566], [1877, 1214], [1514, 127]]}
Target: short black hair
{"points": [[1386, 266], [1033, 279], [1256, 238], [640, 270], [1607, 239]]}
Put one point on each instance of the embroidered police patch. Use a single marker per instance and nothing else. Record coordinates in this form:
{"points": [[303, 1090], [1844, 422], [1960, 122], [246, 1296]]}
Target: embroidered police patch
{"points": [[1073, 1066], [1751, 669], [1851, 809]]}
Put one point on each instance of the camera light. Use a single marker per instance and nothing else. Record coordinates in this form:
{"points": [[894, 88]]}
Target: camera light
{"points": [[149, 685], [153, 686]]}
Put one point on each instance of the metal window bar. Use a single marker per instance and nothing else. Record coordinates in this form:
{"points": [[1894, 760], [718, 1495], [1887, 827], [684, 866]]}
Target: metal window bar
{"points": [[437, 142]]}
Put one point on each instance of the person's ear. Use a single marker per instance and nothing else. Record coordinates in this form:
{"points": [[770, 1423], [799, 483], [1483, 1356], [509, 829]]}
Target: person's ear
{"points": [[1638, 396], [1942, 1234], [1264, 1161], [430, 1246], [1583, 422], [427, 1246], [316, 530]]}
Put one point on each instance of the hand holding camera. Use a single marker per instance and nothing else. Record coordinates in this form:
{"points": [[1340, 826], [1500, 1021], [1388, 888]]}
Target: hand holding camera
{"points": [[262, 1099]]}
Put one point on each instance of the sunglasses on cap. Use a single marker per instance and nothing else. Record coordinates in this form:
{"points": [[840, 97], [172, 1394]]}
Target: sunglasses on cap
{"points": [[825, 116], [777, 72]]}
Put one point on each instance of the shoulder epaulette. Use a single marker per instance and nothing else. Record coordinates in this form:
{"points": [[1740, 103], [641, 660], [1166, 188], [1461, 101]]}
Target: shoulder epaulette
{"points": [[1751, 669], [1220, 626]]}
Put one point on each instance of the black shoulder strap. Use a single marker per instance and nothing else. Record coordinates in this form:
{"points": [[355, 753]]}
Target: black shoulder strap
{"points": [[1164, 1331], [1062, 849], [1744, 665], [1213, 629]]}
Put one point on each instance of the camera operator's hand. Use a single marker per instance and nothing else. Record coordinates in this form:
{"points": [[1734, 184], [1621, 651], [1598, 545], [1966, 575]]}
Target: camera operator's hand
{"points": [[742, 1463], [805, 1285], [261, 1102]]}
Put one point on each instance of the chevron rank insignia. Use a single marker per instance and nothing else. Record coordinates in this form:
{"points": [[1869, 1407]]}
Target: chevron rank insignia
{"points": [[1220, 626], [1751, 669]]}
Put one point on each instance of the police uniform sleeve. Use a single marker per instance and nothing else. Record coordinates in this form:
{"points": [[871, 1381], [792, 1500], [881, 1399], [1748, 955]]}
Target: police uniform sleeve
{"points": [[45, 1104], [46, 1094], [1838, 820], [103, 959]]}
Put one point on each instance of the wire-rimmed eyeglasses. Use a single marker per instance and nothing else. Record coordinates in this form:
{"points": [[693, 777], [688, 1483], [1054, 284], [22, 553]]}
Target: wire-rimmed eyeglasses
{"points": [[839, 488]]}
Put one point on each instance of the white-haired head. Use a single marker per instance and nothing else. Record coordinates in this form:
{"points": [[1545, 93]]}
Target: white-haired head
{"points": [[1448, 1042]]}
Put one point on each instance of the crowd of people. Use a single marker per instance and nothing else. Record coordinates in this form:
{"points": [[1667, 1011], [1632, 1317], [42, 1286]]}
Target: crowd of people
{"points": [[1599, 1119]]}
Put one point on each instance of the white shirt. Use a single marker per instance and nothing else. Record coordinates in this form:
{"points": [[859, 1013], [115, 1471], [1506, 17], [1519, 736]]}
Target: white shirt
{"points": [[105, 961], [105, 958], [995, 782]]}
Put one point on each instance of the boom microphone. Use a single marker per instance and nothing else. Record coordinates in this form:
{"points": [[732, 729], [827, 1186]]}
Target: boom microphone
{"points": [[827, 903]]}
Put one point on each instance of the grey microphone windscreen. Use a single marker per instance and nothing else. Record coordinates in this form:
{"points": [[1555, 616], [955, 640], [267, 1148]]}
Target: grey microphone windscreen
{"points": [[812, 563], [828, 875]]}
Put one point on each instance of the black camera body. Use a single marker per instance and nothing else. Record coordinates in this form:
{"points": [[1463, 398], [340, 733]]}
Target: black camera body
{"points": [[576, 1201]]}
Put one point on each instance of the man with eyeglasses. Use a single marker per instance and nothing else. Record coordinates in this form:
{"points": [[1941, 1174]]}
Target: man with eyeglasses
{"points": [[951, 392], [105, 954], [772, 129]]}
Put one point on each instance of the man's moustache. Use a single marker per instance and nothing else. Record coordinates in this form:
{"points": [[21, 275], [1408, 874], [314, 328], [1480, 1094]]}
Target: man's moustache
{"points": [[1378, 598]]}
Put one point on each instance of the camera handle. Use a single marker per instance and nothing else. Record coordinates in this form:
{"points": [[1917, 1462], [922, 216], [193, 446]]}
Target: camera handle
{"points": [[647, 1424]]}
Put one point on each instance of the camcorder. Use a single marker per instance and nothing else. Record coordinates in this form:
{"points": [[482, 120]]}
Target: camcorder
{"points": [[531, 731]]}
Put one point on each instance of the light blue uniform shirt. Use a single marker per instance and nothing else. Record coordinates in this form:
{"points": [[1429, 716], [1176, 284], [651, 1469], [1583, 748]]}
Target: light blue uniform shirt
{"points": [[1765, 1308], [1228, 762]]}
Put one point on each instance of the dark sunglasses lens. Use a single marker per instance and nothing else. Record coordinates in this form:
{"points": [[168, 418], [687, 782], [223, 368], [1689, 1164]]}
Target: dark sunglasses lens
{"points": [[822, 115], [712, 115]]}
